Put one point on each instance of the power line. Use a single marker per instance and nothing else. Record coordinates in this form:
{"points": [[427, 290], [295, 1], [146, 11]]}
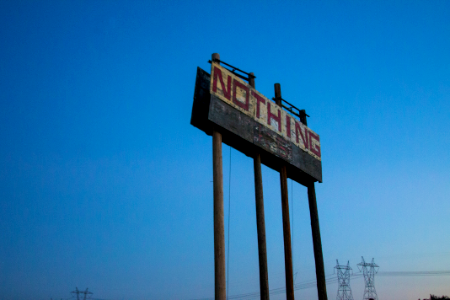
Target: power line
{"points": [[332, 280], [415, 273]]}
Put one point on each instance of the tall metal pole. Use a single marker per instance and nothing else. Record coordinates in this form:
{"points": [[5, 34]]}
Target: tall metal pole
{"points": [[315, 229], [219, 233], [286, 222], [260, 222]]}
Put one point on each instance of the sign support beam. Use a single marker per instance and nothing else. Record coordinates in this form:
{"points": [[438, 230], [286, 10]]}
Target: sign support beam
{"points": [[219, 232], [260, 222], [286, 222], [317, 244], [315, 229]]}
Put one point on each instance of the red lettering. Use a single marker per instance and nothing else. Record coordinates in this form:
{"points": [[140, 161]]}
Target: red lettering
{"points": [[298, 131], [243, 87], [316, 149], [273, 116], [258, 100], [288, 126], [226, 92]]}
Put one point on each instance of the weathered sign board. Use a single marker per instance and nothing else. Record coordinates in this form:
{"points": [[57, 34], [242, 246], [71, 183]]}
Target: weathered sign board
{"points": [[251, 122]]}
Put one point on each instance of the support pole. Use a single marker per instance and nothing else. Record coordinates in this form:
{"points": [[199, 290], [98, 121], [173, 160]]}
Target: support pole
{"points": [[286, 222], [318, 255], [219, 234], [260, 223], [315, 229]]}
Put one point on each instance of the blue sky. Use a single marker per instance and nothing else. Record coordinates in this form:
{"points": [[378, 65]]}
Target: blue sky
{"points": [[105, 184]]}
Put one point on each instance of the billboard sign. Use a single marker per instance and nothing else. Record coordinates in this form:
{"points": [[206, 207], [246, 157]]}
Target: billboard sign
{"points": [[240, 95], [250, 121]]}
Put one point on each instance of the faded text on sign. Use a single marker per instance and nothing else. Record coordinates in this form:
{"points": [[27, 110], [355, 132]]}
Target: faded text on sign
{"points": [[240, 95]]}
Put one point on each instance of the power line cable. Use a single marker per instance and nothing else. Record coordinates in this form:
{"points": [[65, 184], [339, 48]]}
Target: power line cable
{"points": [[334, 279]]}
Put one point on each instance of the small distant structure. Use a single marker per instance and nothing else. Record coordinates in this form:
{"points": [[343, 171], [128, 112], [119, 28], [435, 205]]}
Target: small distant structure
{"points": [[369, 270], [434, 297], [343, 273], [78, 292]]}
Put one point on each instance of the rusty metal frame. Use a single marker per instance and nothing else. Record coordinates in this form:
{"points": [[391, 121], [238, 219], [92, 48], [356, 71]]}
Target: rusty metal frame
{"points": [[249, 77]]}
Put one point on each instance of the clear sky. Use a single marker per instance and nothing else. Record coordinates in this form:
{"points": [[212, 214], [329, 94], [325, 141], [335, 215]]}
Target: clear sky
{"points": [[105, 185]]}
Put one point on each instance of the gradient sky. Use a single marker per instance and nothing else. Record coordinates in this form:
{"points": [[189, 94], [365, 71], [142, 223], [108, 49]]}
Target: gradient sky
{"points": [[105, 185]]}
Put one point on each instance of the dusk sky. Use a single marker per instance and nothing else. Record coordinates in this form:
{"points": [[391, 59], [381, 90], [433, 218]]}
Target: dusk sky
{"points": [[105, 185]]}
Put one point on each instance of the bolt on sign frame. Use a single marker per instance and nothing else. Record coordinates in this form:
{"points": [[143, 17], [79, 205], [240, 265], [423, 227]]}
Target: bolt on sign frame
{"points": [[235, 113]]}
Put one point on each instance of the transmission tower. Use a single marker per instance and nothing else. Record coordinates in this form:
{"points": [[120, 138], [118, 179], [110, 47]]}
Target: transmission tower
{"points": [[343, 273], [369, 270], [78, 292]]}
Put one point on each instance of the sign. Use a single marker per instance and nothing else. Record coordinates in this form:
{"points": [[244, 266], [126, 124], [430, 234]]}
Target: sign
{"points": [[238, 115], [251, 122], [240, 95]]}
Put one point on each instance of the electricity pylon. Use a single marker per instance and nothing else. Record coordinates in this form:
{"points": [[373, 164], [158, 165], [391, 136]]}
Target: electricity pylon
{"points": [[343, 273], [78, 292], [369, 278]]}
